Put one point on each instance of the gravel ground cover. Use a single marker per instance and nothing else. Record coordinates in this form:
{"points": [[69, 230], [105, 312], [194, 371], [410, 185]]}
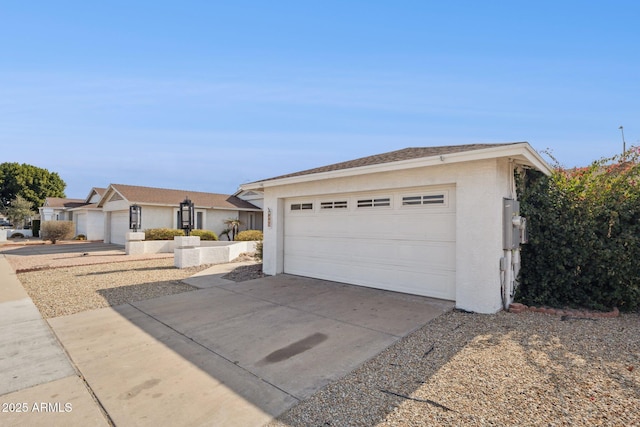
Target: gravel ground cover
{"points": [[72, 289], [245, 272], [45, 261], [506, 369]]}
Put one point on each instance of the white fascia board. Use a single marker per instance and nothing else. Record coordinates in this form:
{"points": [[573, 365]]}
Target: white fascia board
{"points": [[256, 209], [82, 208], [522, 152]]}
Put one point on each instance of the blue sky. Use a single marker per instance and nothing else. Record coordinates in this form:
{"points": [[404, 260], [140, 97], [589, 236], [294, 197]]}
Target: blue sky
{"points": [[206, 95]]}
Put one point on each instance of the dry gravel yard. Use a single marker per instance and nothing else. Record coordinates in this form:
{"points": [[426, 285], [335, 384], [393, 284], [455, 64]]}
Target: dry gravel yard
{"points": [[504, 370], [69, 290]]}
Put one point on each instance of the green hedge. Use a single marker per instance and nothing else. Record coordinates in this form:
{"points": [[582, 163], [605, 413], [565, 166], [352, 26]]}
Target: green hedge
{"points": [[584, 236], [249, 236], [162, 233], [170, 233], [204, 234], [35, 227]]}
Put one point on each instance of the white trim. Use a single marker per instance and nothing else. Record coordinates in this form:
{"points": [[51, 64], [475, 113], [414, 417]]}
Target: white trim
{"points": [[521, 153]]}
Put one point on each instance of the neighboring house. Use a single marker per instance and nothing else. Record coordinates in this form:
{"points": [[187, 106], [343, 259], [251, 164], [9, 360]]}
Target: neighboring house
{"points": [[58, 209], [426, 221], [160, 210], [87, 217]]}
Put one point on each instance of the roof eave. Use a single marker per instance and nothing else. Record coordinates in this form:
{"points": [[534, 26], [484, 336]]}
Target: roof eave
{"points": [[522, 153]]}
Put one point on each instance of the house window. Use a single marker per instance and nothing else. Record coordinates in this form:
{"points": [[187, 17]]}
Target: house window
{"points": [[199, 220], [342, 204], [374, 203], [301, 206], [431, 199]]}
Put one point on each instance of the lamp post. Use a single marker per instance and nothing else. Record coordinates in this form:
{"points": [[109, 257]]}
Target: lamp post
{"points": [[186, 216], [135, 217], [624, 144]]}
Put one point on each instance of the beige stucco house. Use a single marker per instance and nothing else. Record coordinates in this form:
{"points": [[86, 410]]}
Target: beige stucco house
{"points": [[160, 210], [426, 221]]}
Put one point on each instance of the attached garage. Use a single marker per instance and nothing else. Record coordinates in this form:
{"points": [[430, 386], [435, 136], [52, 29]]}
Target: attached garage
{"points": [[118, 227], [424, 220], [396, 240]]}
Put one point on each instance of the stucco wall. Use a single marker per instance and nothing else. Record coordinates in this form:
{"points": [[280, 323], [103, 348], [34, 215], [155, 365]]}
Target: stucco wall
{"points": [[244, 218], [90, 223], [480, 187], [80, 221], [95, 225]]}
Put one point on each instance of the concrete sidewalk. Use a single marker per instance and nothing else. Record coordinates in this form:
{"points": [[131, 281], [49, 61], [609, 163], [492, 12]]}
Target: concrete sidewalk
{"points": [[39, 386]]}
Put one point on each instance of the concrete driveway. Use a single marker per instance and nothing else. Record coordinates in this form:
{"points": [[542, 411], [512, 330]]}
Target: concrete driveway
{"points": [[233, 353]]}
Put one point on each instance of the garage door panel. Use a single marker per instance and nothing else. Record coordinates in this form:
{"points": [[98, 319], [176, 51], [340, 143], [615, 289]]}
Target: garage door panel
{"points": [[402, 248], [400, 253], [406, 227], [119, 227], [437, 284]]}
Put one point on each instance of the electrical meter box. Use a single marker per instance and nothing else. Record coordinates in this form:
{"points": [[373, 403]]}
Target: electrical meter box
{"points": [[514, 226]]}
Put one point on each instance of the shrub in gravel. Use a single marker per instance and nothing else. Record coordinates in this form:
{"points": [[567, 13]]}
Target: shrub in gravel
{"points": [[205, 234], [162, 233], [249, 236], [57, 230]]}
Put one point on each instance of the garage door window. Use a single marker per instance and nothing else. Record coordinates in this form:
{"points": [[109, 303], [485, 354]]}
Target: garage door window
{"points": [[424, 200], [302, 206], [374, 203], [342, 204]]}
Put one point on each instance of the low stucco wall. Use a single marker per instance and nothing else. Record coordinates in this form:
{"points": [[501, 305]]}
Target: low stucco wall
{"points": [[11, 232], [189, 251], [219, 253], [149, 247], [168, 246]]}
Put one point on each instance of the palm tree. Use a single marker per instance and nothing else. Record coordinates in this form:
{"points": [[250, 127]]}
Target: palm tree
{"points": [[233, 224]]}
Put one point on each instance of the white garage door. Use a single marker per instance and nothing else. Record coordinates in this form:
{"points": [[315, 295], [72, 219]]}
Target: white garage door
{"points": [[398, 240], [119, 227]]}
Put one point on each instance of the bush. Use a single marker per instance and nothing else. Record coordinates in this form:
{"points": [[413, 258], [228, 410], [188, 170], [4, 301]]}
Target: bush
{"points": [[57, 230], [259, 247], [162, 233], [17, 236], [249, 236], [204, 234], [81, 237], [584, 236], [35, 227]]}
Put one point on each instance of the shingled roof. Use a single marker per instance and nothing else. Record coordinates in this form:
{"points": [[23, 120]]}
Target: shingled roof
{"points": [[164, 196], [59, 202], [393, 156]]}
